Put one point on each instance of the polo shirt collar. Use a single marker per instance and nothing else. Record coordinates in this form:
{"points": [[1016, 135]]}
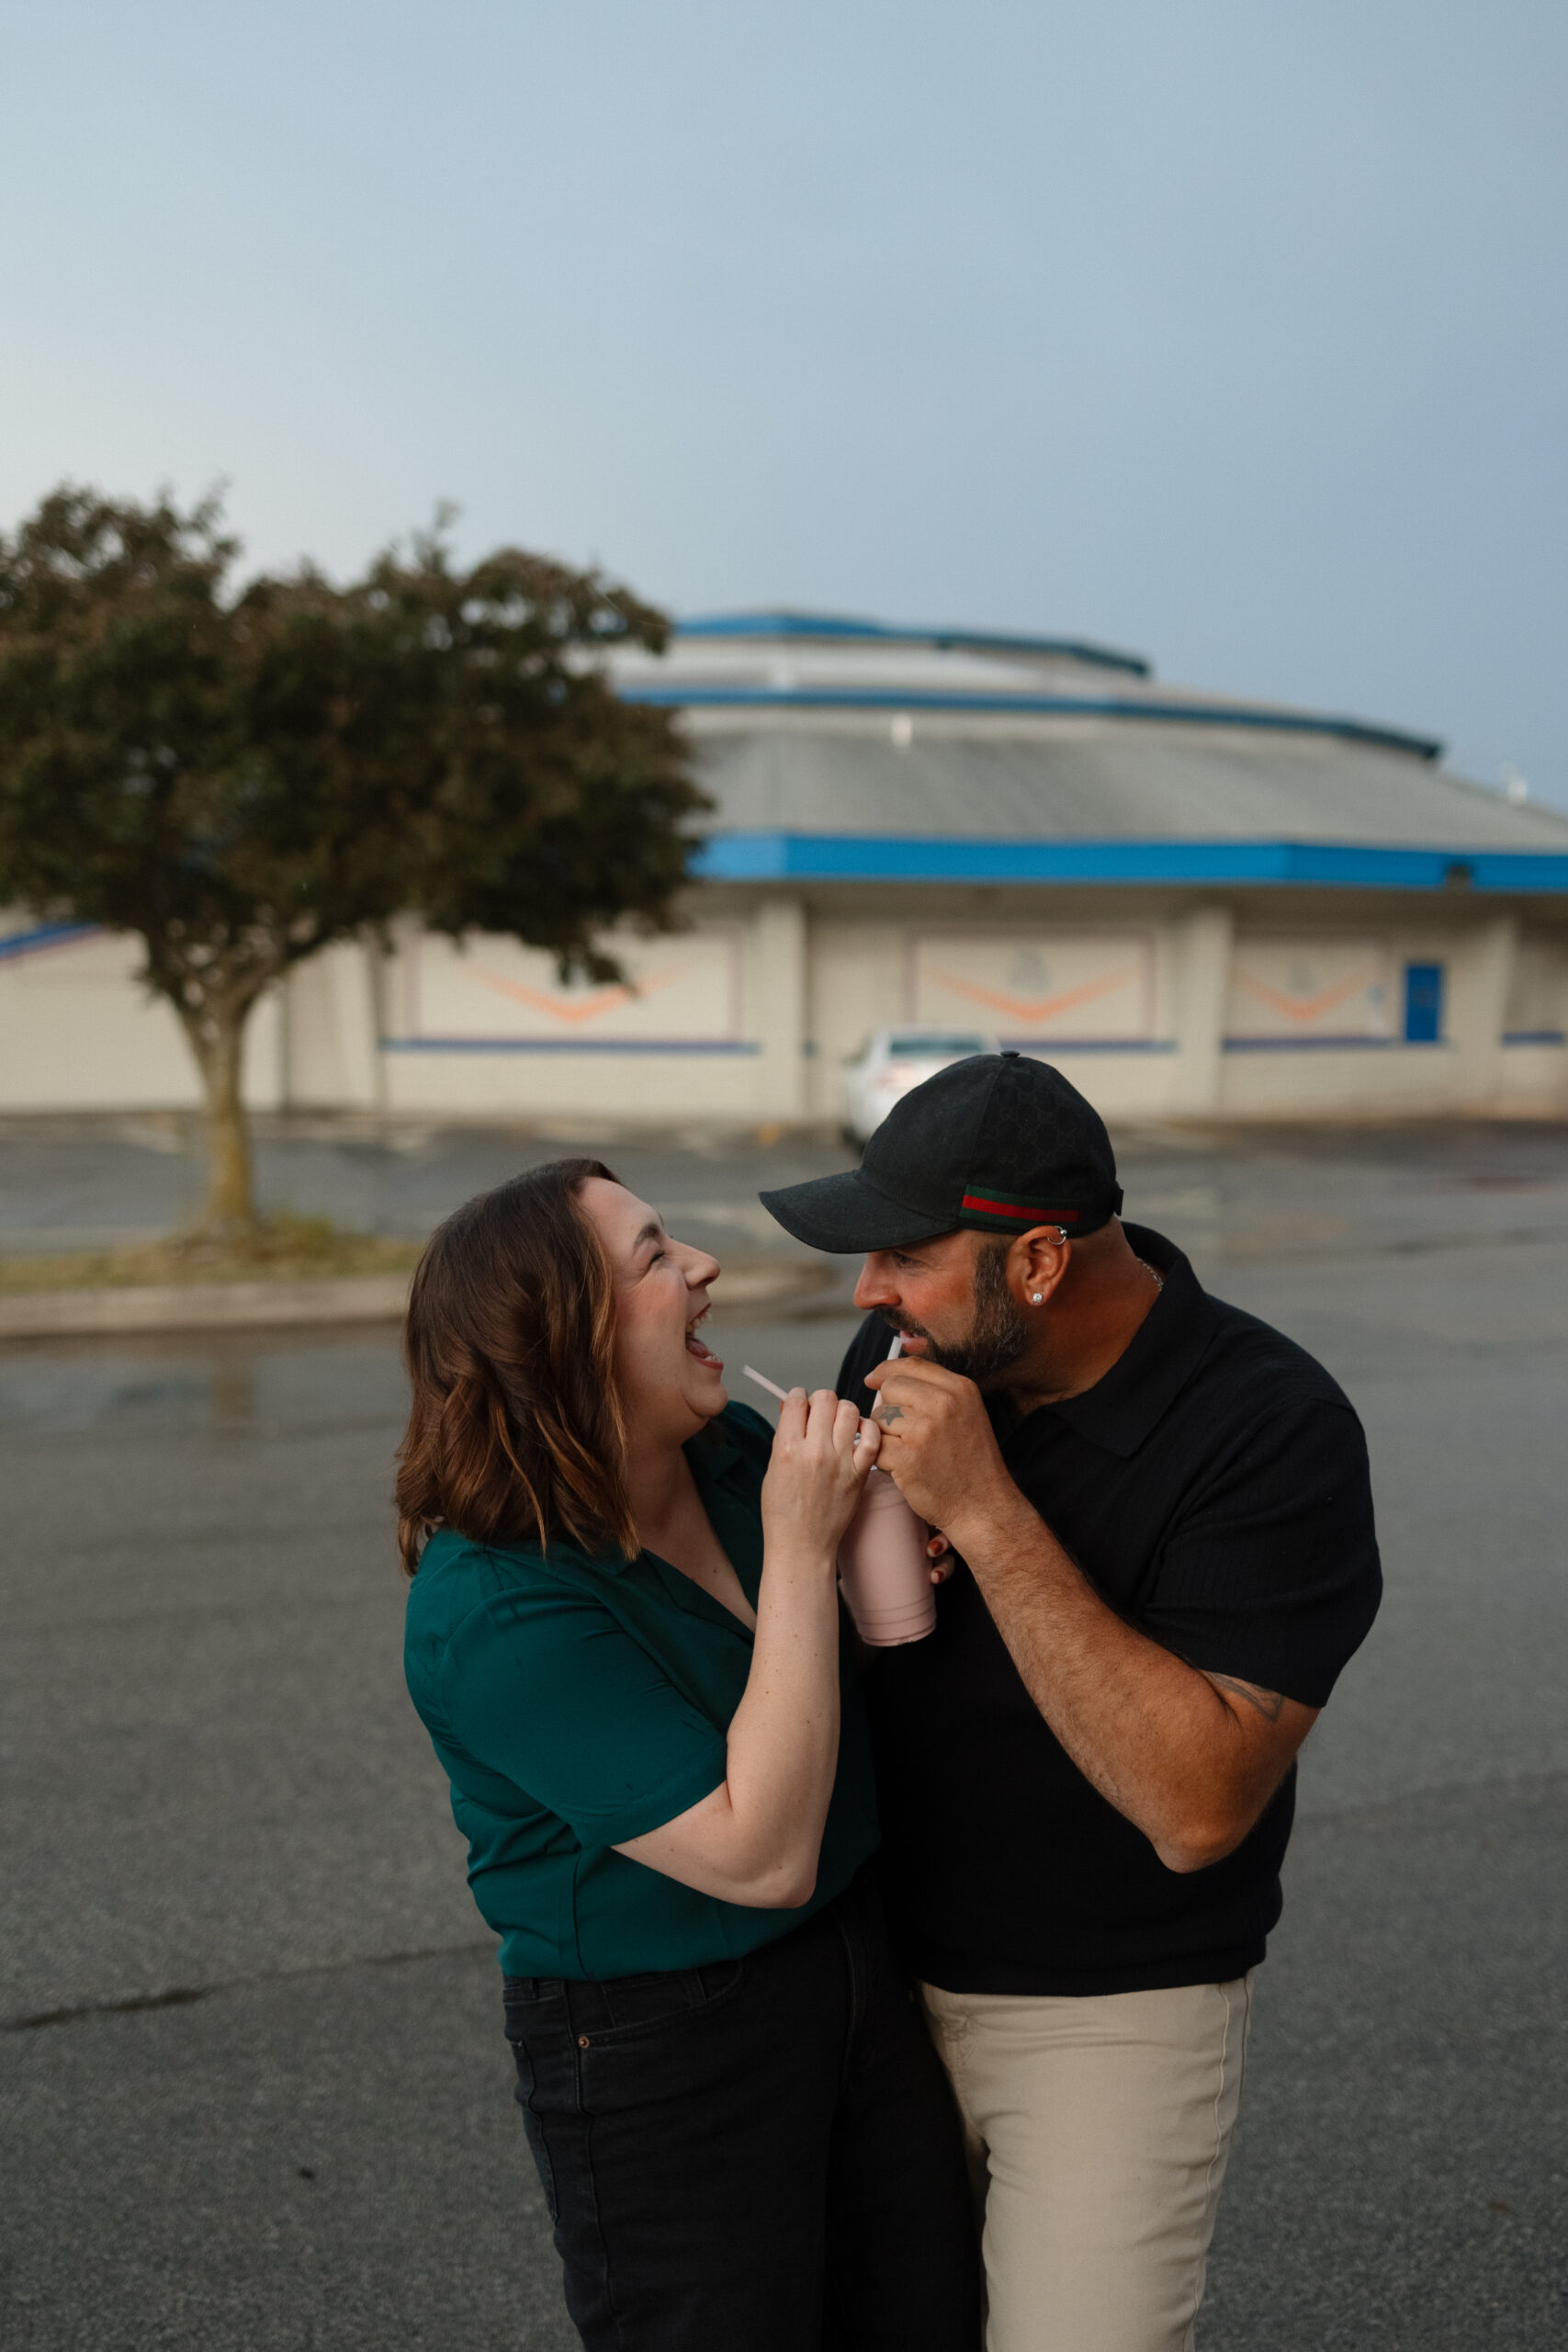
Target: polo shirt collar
{"points": [[1164, 1352], [609, 1564], [715, 1457]]}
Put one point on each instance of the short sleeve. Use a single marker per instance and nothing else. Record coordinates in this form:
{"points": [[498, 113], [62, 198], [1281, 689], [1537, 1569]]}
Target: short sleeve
{"points": [[1272, 1574], [547, 1689]]}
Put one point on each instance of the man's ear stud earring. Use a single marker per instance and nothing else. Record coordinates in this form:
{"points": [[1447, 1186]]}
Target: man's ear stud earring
{"points": [[1039, 1298]]}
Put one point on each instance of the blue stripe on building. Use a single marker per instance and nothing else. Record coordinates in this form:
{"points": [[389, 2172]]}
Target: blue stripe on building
{"points": [[876, 857], [914, 700], [17, 944]]}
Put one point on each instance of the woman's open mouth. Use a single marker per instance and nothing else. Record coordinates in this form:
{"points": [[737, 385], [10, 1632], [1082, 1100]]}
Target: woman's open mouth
{"points": [[698, 1347]]}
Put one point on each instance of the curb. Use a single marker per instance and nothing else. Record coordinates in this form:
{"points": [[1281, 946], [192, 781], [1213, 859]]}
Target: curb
{"points": [[355, 1298], [202, 1306]]}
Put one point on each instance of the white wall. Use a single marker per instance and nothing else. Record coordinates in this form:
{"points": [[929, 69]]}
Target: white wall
{"points": [[79, 1032], [709, 1026], [749, 1014], [329, 1029], [1469, 1070], [1534, 1062]]}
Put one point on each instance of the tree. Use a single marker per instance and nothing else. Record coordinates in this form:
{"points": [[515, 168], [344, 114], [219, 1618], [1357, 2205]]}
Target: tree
{"points": [[242, 776]]}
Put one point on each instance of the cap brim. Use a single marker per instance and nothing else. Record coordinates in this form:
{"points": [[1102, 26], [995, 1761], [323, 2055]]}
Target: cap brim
{"points": [[848, 1212]]}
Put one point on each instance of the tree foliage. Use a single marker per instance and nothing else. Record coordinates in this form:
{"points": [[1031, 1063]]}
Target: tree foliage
{"points": [[243, 776]]}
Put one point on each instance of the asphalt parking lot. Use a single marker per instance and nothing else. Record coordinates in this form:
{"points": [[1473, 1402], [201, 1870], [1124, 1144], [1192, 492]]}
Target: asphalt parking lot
{"points": [[254, 2094]]}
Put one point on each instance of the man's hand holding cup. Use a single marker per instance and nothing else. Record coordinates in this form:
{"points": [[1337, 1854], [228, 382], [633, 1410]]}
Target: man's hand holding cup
{"points": [[938, 1443]]}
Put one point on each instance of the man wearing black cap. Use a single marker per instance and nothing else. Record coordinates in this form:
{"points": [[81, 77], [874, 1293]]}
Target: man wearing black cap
{"points": [[1162, 1528]]}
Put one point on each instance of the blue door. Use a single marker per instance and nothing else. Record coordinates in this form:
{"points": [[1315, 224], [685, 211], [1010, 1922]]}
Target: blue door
{"points": [[1423, 1004]]}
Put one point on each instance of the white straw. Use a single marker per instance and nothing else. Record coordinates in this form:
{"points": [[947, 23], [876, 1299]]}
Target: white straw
{"points": [[750, 1371]]}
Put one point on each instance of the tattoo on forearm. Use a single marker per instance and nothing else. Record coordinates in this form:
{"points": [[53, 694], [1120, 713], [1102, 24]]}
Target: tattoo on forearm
{"points": [[1268, 1703]]}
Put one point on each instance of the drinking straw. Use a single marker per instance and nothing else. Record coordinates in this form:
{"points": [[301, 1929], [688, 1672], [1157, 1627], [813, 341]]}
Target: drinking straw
{"points": [[750, 1373]]}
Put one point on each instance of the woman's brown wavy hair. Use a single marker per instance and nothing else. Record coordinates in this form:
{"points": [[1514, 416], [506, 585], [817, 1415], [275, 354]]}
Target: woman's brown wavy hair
{"points": [[515, 1433]]}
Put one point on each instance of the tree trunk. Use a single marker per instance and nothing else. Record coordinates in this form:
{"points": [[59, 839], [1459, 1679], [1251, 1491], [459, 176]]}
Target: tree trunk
{"points": [[217, 1034]]}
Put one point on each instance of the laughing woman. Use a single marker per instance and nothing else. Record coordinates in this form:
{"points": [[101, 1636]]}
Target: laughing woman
{"points": [[623, 1636]]}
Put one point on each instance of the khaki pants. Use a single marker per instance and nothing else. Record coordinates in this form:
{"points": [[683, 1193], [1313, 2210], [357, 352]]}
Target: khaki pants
{"points": [[1097, 2130]]}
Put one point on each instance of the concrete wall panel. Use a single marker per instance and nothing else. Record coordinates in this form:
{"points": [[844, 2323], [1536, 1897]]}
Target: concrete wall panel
{"points": [[659, 1089], [329, 1026], [750, 1015], [79, 1031]]}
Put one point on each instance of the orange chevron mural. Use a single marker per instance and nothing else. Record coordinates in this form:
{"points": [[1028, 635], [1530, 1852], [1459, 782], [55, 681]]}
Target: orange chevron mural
{"points": [[557, 1006], [1306, 1008], [1028, 1010]]}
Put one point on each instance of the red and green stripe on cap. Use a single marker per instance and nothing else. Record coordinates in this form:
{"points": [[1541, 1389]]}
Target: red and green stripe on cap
{"points": [[1004, 1213]]}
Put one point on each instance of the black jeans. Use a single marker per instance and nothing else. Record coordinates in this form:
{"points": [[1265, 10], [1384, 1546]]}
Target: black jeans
{"points": [[762, 2155]]}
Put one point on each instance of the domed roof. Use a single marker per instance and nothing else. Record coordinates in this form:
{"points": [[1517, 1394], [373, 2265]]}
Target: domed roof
{"points": [[836, 746], [830, 630]]}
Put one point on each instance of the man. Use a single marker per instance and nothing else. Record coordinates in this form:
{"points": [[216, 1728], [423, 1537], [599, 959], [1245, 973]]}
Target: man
{"points": [[1162, 1531]]}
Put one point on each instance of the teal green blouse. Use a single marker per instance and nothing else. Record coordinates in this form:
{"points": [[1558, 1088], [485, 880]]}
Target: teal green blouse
{"points": [[576, 1702]]}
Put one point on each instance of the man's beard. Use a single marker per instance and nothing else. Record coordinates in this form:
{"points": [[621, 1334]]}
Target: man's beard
{"points": [[998, 1335]]}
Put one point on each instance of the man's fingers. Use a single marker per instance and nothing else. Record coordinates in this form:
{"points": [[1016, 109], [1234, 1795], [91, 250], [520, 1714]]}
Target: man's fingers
{"points": [[915, 1368]]}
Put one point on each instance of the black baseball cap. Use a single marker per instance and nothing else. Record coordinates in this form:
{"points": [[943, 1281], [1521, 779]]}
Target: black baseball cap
{"points": [[999, 1142]]}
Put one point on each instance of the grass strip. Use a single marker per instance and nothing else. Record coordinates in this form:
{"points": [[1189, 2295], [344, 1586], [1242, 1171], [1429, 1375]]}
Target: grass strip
{"points": [[283, 1249]]}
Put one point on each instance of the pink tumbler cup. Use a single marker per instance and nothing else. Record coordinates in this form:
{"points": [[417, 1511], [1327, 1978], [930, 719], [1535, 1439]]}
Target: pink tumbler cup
{"points": [[884, 1572]]}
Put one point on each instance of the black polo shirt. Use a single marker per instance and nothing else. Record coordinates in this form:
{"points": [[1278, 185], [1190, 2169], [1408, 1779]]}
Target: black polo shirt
{"points": [[1213, 1488]]}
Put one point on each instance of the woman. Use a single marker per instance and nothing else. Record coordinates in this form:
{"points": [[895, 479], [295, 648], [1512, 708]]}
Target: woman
{"points": [[623, 1636]]}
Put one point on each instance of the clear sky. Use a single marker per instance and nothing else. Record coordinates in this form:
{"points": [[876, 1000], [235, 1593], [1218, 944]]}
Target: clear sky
{"points": [[1230, 330]]}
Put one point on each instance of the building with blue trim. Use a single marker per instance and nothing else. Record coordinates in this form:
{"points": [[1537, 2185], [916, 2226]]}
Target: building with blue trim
{"points": [[1204, 908]]}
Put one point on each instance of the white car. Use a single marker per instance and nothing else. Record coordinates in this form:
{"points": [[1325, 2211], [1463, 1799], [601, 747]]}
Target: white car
{"points": [[893, 1060]]}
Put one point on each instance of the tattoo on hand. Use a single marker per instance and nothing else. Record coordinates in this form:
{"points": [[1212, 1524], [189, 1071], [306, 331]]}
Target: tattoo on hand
{"points": [[1268, 1703], [892, 1413]]}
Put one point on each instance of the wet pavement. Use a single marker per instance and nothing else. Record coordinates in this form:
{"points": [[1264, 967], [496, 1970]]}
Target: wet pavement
{"points": [[1234, 1196], [253, 2091]]}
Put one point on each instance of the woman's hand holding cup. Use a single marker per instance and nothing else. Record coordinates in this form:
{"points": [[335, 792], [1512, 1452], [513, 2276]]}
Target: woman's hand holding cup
{"points": [[821, 1455]]}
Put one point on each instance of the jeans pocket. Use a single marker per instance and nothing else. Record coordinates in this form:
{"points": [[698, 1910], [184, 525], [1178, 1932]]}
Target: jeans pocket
{"points": [[637, 2009]]}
